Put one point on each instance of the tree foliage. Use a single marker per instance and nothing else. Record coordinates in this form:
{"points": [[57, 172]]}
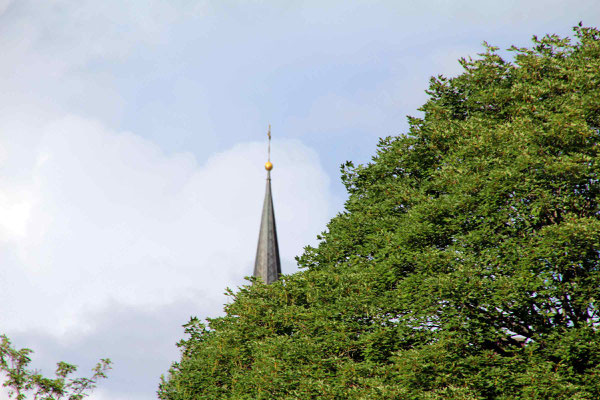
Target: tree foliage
{"points": [[23, 383], [465, 266]]}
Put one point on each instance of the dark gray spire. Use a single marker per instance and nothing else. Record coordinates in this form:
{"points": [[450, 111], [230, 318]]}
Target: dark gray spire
{"points": [[267, 265]]}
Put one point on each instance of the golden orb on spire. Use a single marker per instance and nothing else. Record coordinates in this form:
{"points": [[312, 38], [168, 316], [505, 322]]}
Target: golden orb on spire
{"points": [[268, 165]]}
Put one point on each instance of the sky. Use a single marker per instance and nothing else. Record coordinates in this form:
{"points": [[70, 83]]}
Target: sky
{"points": [[133, 139]]}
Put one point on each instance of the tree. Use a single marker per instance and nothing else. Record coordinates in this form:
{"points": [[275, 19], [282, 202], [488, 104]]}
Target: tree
{"points": [[23, 382], [465, 265]]}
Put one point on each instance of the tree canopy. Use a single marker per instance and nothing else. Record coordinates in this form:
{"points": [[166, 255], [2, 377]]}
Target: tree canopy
{"points": [[465, 265]]}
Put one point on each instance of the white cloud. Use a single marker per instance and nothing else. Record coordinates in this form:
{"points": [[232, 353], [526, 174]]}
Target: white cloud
{"points": [[14, 215], [107, 216], [4, 4], [75, 32]]}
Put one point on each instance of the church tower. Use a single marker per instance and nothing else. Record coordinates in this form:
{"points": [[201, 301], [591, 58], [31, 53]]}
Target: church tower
{"points": [[267, 265]]}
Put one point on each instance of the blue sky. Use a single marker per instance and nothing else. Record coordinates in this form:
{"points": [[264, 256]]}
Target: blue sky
{"points": [[132, 143]]}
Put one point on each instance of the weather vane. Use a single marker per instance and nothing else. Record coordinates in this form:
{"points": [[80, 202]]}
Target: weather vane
{"points": [[268, 164]]}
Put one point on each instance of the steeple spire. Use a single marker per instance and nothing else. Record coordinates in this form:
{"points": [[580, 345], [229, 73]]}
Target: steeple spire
{"points": [[267, 265]]}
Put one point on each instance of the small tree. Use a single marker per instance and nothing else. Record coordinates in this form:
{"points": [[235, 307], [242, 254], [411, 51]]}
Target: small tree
{"points": [[23, 382]]}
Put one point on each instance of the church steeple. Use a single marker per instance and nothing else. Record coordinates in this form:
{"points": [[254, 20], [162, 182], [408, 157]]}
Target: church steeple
{"points": [[267, 265]]}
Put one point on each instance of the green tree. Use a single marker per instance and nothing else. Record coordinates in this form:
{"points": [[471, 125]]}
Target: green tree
{"points": [[465, 265], [24, 383]]}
